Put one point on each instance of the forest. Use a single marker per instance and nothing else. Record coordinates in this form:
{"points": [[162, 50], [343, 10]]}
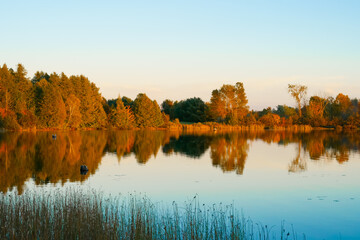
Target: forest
{"points": [[58, 101]]}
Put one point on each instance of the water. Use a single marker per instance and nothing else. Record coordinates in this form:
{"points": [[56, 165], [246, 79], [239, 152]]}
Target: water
{"points": [[310, 180]]}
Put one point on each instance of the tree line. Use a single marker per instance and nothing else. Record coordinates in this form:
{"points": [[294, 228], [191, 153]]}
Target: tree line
{"points": [[57, 101], [228, 105]]}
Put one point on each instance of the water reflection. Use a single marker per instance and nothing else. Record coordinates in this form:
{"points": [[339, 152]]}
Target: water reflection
{"points": [[193, 146], [299, 163], [229, 152], [46, 160], [38, 156]]}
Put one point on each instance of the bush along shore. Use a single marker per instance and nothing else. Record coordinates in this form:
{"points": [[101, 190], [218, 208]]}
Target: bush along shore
{"points": [[57, 101], [88, 214]]}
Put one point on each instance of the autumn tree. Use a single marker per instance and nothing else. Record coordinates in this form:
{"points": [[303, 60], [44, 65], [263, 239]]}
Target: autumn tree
{"points": [[217, 105], [298, 92], [5, 81], [91, 108], [229, 103], [22, 96], [250, 119], [315, 110], [120, 116], [270, 119], [147, 113], [343, 105], [16, 89], [52, 111], [72, 105], [16, 97]]}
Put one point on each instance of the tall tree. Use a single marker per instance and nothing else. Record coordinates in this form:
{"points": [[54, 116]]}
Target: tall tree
{"points": [[241, 100], [156, 114], [52, 112], [344, 105], [5, 82], [147, 113], [72, 105], [217, 106], [229, 103], [91, 108], [298, 92], [23, 97], [317, 106]]}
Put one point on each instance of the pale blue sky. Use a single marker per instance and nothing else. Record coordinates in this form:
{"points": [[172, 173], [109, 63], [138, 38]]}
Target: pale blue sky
{"points": [[182, 49]]}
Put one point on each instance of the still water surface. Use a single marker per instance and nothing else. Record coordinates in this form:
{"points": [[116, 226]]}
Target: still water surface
{"points": [[310, 180]]}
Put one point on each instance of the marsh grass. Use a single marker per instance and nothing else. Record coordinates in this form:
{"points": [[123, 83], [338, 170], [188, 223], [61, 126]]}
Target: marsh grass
{"points": [[89, 214]]}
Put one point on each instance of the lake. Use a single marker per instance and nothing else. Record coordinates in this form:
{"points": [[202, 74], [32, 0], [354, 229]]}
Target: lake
{"points": [[310, 180]]}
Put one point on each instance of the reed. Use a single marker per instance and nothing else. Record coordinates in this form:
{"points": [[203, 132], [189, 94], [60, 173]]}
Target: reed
{"points": [[89, 214]]}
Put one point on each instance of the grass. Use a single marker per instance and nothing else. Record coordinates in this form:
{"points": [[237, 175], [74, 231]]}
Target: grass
{"points": [[88, 214]]}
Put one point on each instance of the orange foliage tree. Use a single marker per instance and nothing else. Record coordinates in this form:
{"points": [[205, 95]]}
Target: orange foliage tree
{"points": [[229, 103], [315, 110]]}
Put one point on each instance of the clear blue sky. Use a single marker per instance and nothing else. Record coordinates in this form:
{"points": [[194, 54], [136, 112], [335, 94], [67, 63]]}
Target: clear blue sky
{"points": [[182, 49]]}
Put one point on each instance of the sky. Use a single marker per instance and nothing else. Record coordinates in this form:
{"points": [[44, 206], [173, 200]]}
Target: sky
{"points": [[182, 49]]}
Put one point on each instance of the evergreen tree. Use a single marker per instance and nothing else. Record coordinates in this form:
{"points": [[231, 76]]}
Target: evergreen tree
{"points": [[343, 105], [22, 96], [16, 96], [39, 76], [167, 107], [127, 101], [91, 108], [157, 116], [5, 82], [52, 112], [147, 113], [120, 116]]}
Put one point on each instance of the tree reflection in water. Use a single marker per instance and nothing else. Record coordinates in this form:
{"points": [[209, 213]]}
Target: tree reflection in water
{"points": [[299, 163], [229, 152], [193, 146], [45, 160]]}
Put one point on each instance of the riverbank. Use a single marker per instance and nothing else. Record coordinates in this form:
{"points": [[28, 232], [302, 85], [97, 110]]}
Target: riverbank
{"points": [[75, 214], [208, 126]]}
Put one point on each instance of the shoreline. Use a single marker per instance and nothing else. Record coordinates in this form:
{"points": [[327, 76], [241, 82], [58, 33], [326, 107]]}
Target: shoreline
{"points": [[207, 126]]}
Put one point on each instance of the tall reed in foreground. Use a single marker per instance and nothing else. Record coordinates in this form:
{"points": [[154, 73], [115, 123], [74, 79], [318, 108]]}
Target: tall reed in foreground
{"points": [[79, 214]]}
